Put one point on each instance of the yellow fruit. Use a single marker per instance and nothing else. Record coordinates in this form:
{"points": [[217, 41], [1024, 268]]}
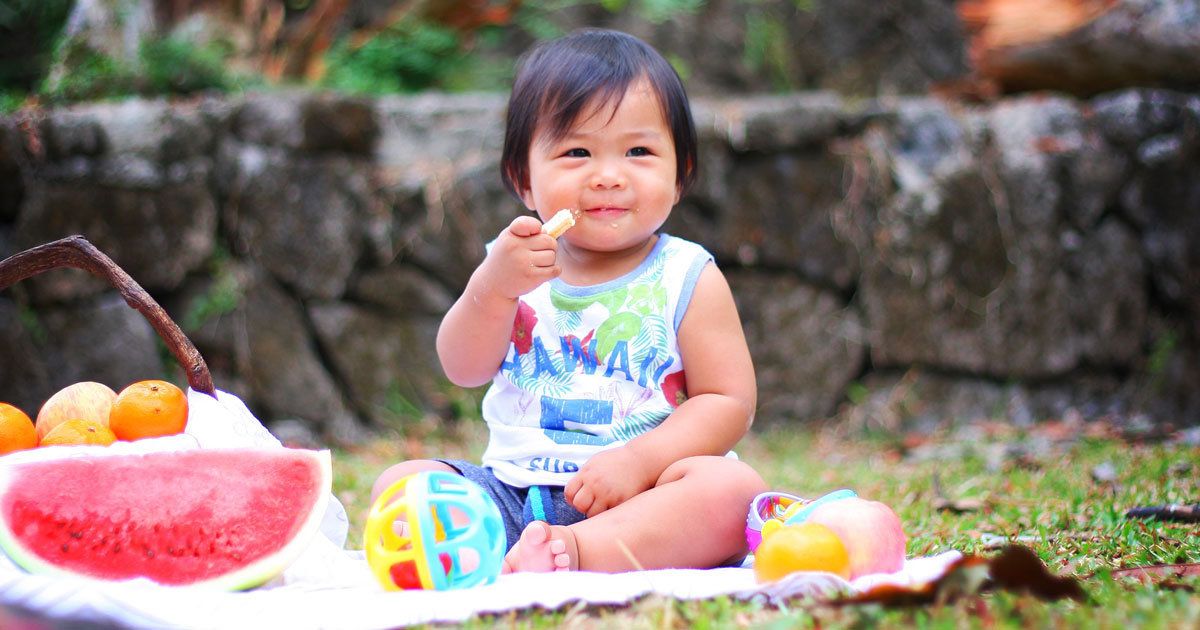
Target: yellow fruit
{"points": [[87, 400], [79, 431], [148, 409], [17, 432], [802, 547]]}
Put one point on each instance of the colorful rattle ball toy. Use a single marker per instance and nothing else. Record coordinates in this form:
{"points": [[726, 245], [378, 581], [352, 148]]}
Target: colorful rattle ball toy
{"points": [[770, 511], [434, 530]]}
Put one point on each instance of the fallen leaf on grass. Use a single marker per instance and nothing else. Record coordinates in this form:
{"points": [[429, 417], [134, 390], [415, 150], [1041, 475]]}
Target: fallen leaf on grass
{"points": [[1016, 568], [964, 577]]}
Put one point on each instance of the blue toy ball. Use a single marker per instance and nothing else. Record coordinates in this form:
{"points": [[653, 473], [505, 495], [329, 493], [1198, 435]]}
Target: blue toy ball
{"points": [[446, 515]]}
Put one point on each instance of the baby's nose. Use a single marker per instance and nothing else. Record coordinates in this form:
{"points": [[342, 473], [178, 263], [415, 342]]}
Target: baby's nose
{"points": [[607, 176]]}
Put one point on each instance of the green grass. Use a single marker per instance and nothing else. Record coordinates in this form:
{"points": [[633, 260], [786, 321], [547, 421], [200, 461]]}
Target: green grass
{"points": [[1046, 488]]}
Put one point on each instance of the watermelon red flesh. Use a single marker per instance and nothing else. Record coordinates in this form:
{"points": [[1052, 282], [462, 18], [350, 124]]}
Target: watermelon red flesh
{"points": [[230, 518]]}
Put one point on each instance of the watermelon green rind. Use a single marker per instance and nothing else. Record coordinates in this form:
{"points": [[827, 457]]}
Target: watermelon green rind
{"points": [[303, 515], [263, 570]]}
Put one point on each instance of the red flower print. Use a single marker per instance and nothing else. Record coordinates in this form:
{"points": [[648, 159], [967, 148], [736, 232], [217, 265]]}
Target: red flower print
{"points": [[583, 344], [522, 334], [674, 388]]}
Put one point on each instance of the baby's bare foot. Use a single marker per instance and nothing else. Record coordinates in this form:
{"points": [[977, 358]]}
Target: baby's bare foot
{"points": [[543, 548]]}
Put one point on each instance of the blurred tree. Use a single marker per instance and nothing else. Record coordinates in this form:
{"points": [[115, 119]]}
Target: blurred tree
{"points": [[1082, 46], [28, 30]]}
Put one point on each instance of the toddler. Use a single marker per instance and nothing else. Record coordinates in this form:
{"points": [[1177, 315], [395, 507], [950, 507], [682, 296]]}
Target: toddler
{"points": [[620, 376]]}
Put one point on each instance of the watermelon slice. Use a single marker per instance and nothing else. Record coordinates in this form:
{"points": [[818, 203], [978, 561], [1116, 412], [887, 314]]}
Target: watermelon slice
{"points": [[221, 518]]}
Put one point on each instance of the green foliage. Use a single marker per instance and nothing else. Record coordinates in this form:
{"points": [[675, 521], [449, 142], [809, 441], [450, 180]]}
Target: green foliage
{"points": [[224, 294], [407, 57], [411, 56], [399, 407], [167, 65], [30, 321], [1164, 348], [11, 101], [91, 75], [28, 30], [655, 11], [768, 42], [173, 65], [766, 48]]}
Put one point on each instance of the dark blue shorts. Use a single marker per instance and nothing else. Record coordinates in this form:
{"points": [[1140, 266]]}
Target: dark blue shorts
{"points": [[519, 506]]}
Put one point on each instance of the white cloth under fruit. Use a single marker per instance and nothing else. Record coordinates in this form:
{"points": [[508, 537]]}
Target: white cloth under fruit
{"points": [[331, 587]]}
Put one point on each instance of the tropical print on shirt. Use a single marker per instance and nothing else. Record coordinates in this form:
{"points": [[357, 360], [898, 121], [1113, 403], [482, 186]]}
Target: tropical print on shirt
{"points": [[589, 368]]}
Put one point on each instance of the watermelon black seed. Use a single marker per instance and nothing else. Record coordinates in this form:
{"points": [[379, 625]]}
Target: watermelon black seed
{"points": [[76, 535], [149, 554], [117, 548], [64, 548]]}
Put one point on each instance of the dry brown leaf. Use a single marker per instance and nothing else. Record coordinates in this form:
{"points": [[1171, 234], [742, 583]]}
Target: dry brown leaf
{"points": [[1016, 568]]}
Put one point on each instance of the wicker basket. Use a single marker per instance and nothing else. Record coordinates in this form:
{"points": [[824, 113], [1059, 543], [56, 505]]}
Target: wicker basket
{"points": [[76, 251]]}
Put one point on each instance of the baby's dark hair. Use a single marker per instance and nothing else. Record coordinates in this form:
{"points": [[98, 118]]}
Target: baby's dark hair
{"points": [[588, 68]]}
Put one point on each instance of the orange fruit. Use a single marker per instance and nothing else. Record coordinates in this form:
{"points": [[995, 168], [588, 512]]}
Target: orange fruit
{"points": [[806, 546], [148, 409], [79, 431], [17, 432], [86, 400]]}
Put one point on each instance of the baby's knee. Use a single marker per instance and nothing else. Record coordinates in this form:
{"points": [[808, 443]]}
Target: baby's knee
{"points": [[725, 478], [396, 472], [738, 479]]}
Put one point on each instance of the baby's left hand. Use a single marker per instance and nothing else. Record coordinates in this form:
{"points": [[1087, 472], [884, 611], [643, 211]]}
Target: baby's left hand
{"points": [[608, 479]]}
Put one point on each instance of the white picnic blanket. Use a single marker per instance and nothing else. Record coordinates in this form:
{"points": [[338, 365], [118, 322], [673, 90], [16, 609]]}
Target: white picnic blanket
{"points": [[331, 587]]}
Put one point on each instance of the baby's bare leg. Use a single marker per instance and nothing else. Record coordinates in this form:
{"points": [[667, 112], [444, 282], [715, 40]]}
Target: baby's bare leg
{"points": [[695, 516], [396, 472]]}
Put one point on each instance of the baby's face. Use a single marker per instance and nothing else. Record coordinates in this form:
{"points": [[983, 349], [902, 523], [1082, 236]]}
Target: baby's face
{"points": [[616, 167]]}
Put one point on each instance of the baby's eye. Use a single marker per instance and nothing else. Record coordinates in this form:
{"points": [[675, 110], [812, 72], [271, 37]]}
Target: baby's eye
{"points": [[577, 153], [638, 152]]}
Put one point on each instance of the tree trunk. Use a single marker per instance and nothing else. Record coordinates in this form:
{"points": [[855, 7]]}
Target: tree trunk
{"points": [[1083, 46]]}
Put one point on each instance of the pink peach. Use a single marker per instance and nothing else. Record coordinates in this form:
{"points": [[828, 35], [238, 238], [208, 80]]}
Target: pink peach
{"points": [[871, 532]]}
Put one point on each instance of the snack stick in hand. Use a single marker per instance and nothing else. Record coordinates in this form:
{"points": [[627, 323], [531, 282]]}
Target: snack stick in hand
{"points": [[562, 221]]}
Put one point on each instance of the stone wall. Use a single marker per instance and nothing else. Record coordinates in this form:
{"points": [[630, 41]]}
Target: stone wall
{"points": [[907, 262]]}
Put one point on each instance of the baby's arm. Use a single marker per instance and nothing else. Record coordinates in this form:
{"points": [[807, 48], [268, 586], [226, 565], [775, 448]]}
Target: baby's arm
{"points": [[720, 406], [475, 333]]}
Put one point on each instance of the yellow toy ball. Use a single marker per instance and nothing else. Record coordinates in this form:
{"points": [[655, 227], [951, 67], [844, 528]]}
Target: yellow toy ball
{"points": [[434, 530]]}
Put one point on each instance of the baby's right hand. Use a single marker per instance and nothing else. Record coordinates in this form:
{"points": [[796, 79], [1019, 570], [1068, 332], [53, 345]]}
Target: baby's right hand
{"points": [[521, 259]]}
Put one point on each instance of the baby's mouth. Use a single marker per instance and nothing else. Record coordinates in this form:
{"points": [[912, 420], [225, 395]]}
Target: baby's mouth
{"points": [[605, 211]]}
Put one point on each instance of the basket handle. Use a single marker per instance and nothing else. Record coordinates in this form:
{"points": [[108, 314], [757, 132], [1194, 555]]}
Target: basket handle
{"points": [[76, 251]]}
